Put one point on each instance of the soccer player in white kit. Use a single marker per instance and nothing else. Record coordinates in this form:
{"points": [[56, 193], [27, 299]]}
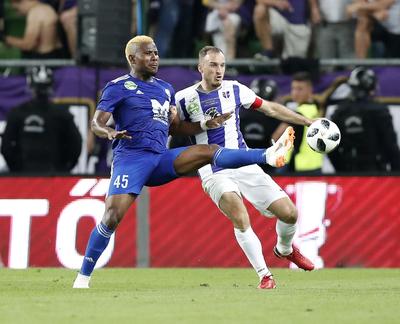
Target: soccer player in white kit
{"points": [[213, 96]]}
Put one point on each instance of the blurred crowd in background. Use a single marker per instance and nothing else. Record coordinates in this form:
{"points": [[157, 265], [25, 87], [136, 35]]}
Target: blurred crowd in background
{"points": [[298, 32], [43, 29], [241, 28]]}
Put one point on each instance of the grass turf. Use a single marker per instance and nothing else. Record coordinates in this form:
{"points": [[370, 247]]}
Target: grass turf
{"points": [[200, 296]]}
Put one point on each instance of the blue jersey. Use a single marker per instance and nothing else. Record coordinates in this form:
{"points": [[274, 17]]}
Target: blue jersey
{"points": [[141, 108]]}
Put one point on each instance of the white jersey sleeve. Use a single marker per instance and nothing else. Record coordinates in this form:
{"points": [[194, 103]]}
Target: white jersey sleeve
{"points": [[186, 102], [247, 96], [179, 109]]}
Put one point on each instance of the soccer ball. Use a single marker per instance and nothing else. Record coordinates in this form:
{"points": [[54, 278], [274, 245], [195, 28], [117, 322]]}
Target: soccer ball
{"points": [[323, 136]]}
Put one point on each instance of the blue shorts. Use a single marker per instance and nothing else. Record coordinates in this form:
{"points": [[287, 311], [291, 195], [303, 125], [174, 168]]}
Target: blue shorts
{"points": [[130, 172]]}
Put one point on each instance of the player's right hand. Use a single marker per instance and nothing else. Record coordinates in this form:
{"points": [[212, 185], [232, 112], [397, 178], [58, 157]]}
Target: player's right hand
{"points": [[114, 134], [218, 121]]}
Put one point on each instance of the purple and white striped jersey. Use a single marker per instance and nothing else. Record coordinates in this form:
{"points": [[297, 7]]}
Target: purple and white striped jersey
{"points": [[194, 105]]}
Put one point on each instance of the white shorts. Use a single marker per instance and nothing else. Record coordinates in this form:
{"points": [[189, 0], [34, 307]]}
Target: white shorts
{"points": [[251, 182], [296, 38]]}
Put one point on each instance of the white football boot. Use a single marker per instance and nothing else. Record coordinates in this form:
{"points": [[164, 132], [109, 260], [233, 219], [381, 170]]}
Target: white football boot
{"points": [[275, 155], [81, 281]]}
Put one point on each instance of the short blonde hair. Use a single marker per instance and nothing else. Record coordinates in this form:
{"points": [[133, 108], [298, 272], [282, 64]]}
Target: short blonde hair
{"points": [[137, 40]]}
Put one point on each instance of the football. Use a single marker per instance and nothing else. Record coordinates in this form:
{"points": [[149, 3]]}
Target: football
{"points": [[323, 135]]}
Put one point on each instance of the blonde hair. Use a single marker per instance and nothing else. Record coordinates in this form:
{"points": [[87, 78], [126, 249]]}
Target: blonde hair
{"points": [[137, 40]]}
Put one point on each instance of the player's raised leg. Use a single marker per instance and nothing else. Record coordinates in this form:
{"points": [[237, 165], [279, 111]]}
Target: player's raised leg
{"points": [[286, 213], [274, 155], [115, 209], [196, 156]]}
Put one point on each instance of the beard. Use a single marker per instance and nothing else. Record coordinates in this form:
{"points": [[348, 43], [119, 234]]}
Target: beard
{"points": [[216, 83]]}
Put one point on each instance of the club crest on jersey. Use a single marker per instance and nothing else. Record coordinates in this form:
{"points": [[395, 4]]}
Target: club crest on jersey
{"points": [[226, 94], [212, 112], [130, 85]]}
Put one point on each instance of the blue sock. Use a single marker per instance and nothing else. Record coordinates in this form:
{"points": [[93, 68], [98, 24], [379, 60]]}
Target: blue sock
{"points": [[98, 242], [233, 158]]}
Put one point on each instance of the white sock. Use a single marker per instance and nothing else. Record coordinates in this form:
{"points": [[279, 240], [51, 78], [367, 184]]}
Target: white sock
{"points": [[285, 237], [251, 246]]}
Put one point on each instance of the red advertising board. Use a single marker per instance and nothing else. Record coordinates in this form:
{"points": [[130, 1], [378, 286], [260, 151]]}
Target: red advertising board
{"points": [[46, 222], [343, 222]]}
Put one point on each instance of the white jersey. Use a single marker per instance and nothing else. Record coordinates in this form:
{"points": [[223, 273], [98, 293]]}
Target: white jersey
{"points": [[195, 105]]}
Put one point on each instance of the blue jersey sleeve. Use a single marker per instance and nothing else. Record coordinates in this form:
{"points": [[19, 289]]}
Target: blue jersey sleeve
{"points": [[110, 98], [172, 95]]}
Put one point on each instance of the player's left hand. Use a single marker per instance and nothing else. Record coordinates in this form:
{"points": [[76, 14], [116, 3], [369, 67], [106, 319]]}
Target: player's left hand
{"points": [[218, 121]]}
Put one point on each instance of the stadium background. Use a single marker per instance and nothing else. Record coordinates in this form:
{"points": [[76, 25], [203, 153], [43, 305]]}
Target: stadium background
{"points": [[45, 221]]}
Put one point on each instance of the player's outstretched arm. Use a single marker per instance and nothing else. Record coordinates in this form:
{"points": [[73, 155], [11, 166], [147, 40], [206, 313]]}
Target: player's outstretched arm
{"points": [[278, 111], [100, 128], [181, 127]]}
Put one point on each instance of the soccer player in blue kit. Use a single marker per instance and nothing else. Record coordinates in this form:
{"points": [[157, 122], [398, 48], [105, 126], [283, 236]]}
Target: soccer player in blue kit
{"points": [[143, 108]]}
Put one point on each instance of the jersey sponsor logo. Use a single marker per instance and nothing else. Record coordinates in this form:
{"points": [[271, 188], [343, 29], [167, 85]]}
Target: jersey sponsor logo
{"points": [[130, 85], [160, 112], [212, 112], [210, 105], [209, 102]]}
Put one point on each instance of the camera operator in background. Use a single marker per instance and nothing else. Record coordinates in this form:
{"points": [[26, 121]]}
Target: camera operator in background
{"points": [[257, 128], [369, 141], [40, 137]]}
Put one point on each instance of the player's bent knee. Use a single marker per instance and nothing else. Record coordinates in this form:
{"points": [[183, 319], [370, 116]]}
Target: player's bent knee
{"points": [[213, 148], [241, 223], [112, 217], [209, 153], [292, 215], [240, 220], [289, 214]]}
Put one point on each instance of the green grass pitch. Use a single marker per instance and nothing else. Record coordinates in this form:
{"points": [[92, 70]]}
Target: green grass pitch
{"points": [[200, 296]]}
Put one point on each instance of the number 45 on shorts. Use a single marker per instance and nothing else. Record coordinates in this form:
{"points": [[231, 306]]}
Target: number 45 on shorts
{"points": [[121, 180]]}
